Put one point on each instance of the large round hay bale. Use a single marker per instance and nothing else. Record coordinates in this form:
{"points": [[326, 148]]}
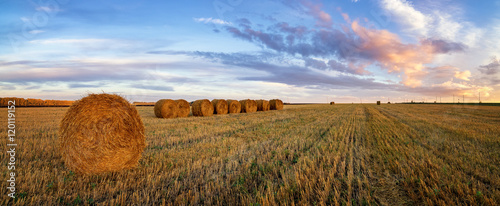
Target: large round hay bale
{"points": [[220, 106], [276, 104], [101, 133], [234, 106], [248, 106], [203, 108], [332, 103], [166, 108], [263, 105], [378, 102], [183, 108]]}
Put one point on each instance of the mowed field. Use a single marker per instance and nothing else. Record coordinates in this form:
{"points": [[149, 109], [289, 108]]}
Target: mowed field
{"points": [[302, 155]]}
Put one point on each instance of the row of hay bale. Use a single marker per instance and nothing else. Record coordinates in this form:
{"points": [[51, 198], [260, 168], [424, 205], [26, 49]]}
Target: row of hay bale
{"points": [[105, 133], [167, 108]]}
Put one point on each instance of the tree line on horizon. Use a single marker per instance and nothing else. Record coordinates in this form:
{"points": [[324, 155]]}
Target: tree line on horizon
{"points": [[22, 102]]}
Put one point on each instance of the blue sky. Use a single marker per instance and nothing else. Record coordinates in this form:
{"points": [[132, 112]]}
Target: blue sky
{"points": [[298, 51]]}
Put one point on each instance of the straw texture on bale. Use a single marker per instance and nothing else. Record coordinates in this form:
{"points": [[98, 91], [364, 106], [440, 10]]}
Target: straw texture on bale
{"points": [[202, 108], [166, 108], [276, 104], [183, 108], [234, 106], [332, 103], [263, 105], [101, 133], [220, 106], [378, 102], [248, 106]]}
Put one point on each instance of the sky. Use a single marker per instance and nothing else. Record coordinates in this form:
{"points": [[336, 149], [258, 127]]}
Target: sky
{"points": [[299, 51]]}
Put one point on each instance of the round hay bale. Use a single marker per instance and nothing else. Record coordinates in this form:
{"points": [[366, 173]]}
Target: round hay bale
{"points": [[234, 106], [332, 103], [378, 102], [276, 104], [263, 105], [248, 106], [203, 108], [101, 133], [220, 106], [183, 108], [166, 108]]}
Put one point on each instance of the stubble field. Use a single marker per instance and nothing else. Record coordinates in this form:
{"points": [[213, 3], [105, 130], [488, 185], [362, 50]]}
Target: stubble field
{"points": [[302, 155]]}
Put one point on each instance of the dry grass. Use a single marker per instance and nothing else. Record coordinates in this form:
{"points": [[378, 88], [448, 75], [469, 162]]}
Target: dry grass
{"points": [[303, 155]]}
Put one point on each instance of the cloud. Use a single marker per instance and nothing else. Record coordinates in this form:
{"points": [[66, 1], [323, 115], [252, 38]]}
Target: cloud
{"points": [[443, 46], [77, 71], [323, 19], [357, 46], [7, 87], [289, 73], [463, 75], [318, 64], [212, 21], [403, 12], [349, 50], [36, 31], [489, 73], [48, 9], [81, 85], [33, 87], [152, 87], [433, 23], [73, 41], [492, 68]]}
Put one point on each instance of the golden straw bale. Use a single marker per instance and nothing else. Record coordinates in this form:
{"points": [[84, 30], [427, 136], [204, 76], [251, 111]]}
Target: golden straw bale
{"points": [[248, 106], [378, 102], [166, 108], [203, 108], [276, 104], [183, 108], [101, 133], [234, 106], [263, 105], [332, 103], [220, 106]]}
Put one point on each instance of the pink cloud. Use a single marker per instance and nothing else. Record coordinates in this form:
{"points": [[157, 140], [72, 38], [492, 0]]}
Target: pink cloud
{"points": [[323, 19]]}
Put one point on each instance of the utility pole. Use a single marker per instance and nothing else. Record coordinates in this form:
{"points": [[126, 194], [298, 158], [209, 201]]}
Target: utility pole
{"points": [[479, 97], [463, 99]]}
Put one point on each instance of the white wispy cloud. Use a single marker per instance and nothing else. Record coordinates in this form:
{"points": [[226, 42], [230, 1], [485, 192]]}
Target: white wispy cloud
{"points": [[36, 31], [405, 14], [71, 41], [212, 20], [47, 9], [432, 23]]}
